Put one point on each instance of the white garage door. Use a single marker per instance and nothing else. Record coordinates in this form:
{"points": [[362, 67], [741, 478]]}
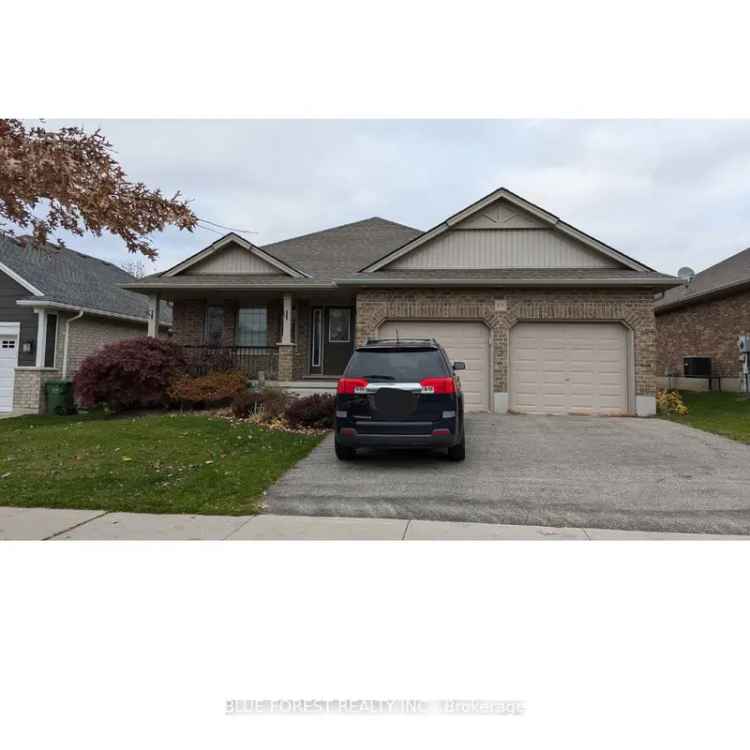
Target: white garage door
{"points": [[464, 342], [8, 362], [569, 368]]}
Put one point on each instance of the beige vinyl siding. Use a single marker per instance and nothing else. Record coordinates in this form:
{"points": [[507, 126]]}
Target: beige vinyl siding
{"points": [[464, 341], [502, 215], [233, 260], [569, 368], [503, 248]]}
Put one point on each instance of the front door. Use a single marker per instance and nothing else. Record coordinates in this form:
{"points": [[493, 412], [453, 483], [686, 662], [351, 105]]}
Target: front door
{"points": [[332, 340]]}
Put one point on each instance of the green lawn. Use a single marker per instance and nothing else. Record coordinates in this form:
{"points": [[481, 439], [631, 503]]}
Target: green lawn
{"points": [[165, 463], [725, 414]]}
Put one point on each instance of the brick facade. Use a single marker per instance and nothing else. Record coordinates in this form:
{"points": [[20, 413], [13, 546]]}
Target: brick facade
{"points": [[89, 334], [28, 392], [633, 308], [703, 329]]}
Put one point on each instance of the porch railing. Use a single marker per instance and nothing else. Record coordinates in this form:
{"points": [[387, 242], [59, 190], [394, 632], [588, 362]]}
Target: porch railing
{"points": [[249, 359]]}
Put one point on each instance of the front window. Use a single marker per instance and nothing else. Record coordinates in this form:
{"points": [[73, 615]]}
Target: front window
{"points": [[214, 325], [339, 324], [252, 326], [51, 341]]}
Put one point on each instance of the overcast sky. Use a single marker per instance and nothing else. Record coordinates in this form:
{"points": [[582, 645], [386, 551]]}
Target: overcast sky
{"points": [[669, 193]]}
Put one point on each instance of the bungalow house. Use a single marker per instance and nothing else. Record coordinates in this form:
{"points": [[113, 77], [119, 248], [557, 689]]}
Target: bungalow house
{"points": [[704, 318], [57, 306], [548, 319]]}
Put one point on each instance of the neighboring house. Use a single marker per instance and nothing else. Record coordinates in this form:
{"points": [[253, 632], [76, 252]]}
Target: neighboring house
{"points": [[57, 306], [548, 319], [704, 318]]}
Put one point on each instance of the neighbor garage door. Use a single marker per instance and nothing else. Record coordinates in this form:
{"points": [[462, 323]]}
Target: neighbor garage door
{"points": [[8, 362], [464, 342], [569, 368]]}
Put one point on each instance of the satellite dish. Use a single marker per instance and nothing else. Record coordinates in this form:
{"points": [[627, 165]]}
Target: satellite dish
{"points": [[686, 273]]}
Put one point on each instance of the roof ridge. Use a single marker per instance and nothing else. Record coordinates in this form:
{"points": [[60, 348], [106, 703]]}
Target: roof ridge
{"points": [[722, 262], [339, 226]]}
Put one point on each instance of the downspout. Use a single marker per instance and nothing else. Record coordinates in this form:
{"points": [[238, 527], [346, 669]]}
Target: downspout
{"points": [[67, 339]]}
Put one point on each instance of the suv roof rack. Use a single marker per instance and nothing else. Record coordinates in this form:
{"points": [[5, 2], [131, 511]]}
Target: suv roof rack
{"points": [[402, 342]]}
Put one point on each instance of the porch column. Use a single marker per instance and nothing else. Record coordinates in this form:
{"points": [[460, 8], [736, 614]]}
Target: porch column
{"points": [[286, 320], [41, 336], [286, 346], [153, 315]]}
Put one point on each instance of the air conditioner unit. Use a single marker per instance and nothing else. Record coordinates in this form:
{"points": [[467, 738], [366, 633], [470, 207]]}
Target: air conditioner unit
{"points": [[744, 344]]}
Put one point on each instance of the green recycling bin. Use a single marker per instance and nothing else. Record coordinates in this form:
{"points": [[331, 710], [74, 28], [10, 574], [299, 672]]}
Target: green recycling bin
{"points": [[59, 397]]}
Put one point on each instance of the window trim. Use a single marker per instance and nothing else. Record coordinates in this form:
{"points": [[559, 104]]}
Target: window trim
{"points": [[317, 312], [348, 338]]}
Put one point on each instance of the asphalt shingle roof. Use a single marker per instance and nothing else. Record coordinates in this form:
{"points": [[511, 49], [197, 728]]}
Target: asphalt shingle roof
{"points": [[342, 251], [71, 278], [732, 272]]}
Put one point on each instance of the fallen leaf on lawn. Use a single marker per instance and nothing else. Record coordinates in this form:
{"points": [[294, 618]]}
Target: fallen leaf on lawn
{"points": [[209, 462], [5, 476], [126, 458]]}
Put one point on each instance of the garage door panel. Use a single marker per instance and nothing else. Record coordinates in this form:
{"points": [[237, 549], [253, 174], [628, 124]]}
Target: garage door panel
{"points": [[464, 342], [8, 362], [568, 368]]}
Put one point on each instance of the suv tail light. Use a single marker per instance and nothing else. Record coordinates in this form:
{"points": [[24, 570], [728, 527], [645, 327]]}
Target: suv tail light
{"points": [[438, 385], [349, 386]]}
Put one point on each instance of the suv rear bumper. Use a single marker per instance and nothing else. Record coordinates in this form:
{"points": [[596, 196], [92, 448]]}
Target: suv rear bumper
{"points": [[353, 439]]}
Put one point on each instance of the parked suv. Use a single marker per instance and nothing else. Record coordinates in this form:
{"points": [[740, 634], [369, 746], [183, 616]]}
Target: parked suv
{"points": [[398, 393]]}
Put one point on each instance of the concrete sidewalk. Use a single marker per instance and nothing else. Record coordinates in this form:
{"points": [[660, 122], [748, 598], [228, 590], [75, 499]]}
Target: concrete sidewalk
{"points": [[47, 523]]}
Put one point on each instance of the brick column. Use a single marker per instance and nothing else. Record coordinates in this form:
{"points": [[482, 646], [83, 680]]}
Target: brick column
{"points": [[286, 361]]}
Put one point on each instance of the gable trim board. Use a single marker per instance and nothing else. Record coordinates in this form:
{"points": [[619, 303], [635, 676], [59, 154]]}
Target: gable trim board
{"points": [[225, 241], [378, 281], [506, 195], [47, 305], [20, 280]]}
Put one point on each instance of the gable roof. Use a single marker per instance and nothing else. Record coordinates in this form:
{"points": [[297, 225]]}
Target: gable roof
{"points": [[502, 193], [56, 275], [324, 255], [233, 239], [727, 276]]}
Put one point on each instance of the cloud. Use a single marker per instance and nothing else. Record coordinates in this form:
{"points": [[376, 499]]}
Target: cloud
{"points": [[670, 193]]}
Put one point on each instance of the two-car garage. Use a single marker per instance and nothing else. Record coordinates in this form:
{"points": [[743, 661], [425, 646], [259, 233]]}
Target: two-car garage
{"points": [[553, 368]]}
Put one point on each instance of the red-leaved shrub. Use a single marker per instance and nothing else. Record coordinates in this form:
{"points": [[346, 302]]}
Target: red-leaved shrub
{"points": [[128, 374], [246, 403], [214, 388], [318, 410]]}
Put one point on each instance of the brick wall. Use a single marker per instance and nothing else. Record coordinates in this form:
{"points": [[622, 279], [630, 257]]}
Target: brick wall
{"points": [[88, 334], [28, 392], [705, 329], [634, 308]]}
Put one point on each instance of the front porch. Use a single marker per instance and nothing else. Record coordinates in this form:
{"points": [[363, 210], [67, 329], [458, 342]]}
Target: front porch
{"points": [[299, 342]]}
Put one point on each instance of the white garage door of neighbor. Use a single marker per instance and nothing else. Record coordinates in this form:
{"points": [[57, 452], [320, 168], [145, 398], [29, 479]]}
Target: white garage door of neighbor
{"points": [[8, 362], [569, 368], [464, 342]]}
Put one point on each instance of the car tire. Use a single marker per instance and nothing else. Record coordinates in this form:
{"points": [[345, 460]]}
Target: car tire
{"points": [[344, 452], [457, 452]]}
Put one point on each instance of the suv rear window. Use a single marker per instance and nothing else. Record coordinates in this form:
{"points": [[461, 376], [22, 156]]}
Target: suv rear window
{"points": [[399, 365]]}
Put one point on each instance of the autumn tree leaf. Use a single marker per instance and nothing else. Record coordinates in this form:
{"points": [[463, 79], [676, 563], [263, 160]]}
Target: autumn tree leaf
{"points": [[74, 177]]}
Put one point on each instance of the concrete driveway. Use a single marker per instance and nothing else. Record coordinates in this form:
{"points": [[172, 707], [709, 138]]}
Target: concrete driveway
{"points": [[618, 473]]}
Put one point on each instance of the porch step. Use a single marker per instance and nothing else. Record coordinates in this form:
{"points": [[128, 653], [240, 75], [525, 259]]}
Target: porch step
{"points": [[305, 387]]}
